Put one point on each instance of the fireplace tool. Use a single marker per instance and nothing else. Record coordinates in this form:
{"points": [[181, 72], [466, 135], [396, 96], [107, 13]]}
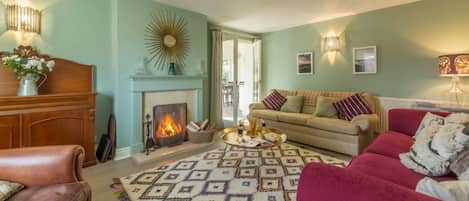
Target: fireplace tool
{"points": [[149, 144]]}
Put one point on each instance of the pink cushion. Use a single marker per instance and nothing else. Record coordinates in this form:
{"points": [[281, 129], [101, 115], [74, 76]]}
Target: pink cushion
{"points": [[352, 106], [389, 169], [391, 144], [274, 100], [407, 121]]}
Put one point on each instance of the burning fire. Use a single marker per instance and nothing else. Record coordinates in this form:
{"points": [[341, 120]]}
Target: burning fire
{"points": [[167, 127]]}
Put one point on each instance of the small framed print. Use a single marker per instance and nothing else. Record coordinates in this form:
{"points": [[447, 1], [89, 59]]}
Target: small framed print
{"points": [[304, 63], [364, 60]]}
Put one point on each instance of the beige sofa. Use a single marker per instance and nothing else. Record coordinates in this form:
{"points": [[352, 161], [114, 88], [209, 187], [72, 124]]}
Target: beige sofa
{"points": [[348, 137]]}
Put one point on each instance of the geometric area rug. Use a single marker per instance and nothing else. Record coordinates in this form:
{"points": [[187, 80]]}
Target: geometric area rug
{"points": [[227, 174]]}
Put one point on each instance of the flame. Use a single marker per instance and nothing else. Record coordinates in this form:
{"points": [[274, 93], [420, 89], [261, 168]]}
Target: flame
{"points": [[168, 127]]}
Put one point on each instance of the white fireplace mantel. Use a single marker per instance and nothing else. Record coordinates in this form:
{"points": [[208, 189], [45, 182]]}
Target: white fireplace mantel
{"points": [[141, 84]]}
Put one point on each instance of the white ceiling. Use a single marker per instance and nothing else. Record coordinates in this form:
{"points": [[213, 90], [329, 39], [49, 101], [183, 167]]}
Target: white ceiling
{"points": [[260, 16]]}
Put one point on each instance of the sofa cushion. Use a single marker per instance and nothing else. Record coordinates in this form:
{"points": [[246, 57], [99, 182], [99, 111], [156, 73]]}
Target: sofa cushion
{"points": [[266, 114], [352, 106], [389, 169], [334, 125], [391, 144], [293, 104], [309, 104], [325, 108], [294, 118], [274, 100], [61, 192]]}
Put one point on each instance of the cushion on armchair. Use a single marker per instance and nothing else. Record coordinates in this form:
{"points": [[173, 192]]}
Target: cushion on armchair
{"points": [[352, 106]]}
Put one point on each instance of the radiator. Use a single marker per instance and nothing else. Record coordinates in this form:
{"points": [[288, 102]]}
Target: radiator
{"points": [[386, 103]]}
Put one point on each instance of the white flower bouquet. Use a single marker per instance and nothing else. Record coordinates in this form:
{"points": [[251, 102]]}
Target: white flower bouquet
{"points": [[23, 66]]}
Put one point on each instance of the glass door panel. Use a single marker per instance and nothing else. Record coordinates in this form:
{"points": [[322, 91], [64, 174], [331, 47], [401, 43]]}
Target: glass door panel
{"points": [[245, 76], [237, 78], [228, 81]]}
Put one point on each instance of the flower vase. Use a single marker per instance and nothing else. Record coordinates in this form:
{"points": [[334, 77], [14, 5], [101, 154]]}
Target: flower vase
{"points": [[172, 69], [28, 85]]}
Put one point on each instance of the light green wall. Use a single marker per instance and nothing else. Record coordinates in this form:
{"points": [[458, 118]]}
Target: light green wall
{"points": [[132, 19], [77, 30], [110, 35], [409, 39]]}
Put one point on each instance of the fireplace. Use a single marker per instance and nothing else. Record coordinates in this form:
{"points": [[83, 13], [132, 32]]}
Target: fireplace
{"points": [[169, 124]]}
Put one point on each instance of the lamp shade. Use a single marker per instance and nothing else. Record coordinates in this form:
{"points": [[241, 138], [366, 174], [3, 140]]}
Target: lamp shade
{"points": [[454, 65], [23, 19]]}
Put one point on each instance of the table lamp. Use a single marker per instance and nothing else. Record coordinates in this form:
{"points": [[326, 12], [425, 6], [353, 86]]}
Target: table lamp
{"points": [[455, 66]]}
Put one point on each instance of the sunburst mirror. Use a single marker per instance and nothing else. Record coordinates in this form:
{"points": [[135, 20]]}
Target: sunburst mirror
{"points": [[167, 39]]}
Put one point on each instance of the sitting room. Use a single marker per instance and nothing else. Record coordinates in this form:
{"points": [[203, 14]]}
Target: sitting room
{"points": [[246, 100]]}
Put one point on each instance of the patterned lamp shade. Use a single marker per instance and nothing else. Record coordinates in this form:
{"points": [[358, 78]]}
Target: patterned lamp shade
{"points": [[454, 65]]}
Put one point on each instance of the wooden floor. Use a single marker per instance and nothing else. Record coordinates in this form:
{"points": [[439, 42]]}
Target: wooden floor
{"points": [[100, 176]]}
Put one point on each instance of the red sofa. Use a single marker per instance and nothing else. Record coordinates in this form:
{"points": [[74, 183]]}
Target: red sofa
{"points": [[376, 174]]}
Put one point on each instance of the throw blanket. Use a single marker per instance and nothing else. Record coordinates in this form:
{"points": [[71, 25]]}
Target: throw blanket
{"points": [[437, 146]]}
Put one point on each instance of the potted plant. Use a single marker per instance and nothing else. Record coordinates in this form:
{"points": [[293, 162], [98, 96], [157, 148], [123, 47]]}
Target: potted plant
{"points": [[28, 69]]}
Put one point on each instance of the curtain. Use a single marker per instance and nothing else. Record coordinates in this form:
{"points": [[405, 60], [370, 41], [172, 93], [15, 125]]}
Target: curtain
{"points": [[216, 114], [257, 71]]}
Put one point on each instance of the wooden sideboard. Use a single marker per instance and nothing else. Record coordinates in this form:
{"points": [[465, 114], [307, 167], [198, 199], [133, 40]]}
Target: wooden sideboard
{"points": [[63, 113]]}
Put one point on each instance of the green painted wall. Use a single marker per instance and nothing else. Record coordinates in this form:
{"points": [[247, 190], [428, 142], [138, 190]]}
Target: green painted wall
{"points": [[110, 35], [77, 30], [409, 39], [132, 18]]}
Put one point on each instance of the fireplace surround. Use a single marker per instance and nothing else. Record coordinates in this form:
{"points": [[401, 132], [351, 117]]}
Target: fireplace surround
{"points": [[143, 85]]}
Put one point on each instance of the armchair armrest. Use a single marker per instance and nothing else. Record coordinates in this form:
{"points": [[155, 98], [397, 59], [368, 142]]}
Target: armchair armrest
{"points": [[257, 106], [40, 166], [322, 182], [366, 122]]}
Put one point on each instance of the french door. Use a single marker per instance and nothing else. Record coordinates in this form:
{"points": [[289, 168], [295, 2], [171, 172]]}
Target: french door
{"points": [[239, 82]]}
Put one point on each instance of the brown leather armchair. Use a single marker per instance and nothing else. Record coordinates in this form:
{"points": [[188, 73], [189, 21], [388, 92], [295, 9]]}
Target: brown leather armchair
{"points": [[51, 173]]}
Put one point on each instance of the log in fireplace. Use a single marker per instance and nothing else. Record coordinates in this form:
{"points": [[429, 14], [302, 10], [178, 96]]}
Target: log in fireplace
{"points": [[170, 124]]}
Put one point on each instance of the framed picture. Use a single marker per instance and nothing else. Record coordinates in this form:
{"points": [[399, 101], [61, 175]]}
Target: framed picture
{"points": [[364, 60], [304, 63]]}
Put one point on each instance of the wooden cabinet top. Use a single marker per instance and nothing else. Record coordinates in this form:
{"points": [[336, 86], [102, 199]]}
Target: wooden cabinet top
{"points": [[41, 103], [70, 84]]}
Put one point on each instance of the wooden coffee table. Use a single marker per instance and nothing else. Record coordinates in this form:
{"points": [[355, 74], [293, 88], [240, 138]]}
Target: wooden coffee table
{"points": [[230, 136]]}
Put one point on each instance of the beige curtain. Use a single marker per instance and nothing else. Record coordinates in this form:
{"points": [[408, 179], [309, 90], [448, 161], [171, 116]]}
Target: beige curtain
{"points": [[216, 114], [257, 71]]}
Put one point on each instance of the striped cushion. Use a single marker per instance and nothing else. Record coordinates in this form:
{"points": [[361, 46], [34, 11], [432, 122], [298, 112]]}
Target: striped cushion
{"points": [[274, 100], [352, 106]]}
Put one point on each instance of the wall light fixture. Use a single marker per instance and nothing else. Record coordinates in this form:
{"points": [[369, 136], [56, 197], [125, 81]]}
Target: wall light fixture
{"points": [[24, 19], [332, 43]]}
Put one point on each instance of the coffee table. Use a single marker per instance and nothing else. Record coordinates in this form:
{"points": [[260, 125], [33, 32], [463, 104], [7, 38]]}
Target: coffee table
{"points": [[230, 136]]}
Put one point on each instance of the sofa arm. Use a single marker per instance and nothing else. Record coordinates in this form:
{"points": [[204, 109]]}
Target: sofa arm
{"points": [[41, 166], [366, 122], [320, 182], [257, 106]]}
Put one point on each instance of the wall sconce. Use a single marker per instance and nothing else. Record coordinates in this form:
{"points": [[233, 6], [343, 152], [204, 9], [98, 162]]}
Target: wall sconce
{"points": [[332, 43], [455, 66], [24, 19]]}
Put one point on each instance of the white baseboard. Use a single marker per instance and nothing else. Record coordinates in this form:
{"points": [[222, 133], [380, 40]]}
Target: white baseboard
{"points": [[122, 153]]}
